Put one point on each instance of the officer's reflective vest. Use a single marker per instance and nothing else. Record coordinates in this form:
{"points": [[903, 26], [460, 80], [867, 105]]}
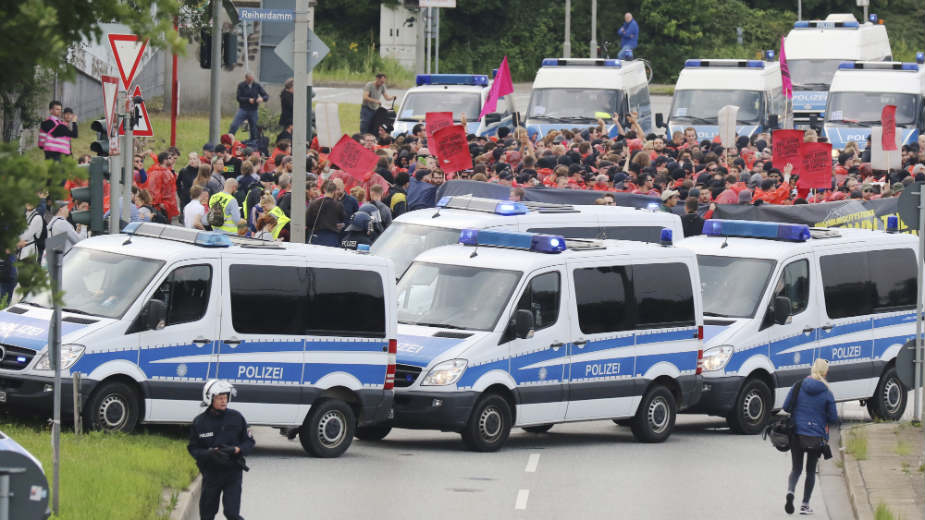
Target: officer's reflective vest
{"points": [[230, 225], [54, 144], [281, 220]]}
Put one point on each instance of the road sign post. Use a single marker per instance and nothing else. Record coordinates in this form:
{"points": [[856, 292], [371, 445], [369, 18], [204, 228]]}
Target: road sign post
{"points": [[55, 249]]}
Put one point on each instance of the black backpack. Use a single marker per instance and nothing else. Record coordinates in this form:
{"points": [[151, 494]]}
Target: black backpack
{"points": [[43, 235]]}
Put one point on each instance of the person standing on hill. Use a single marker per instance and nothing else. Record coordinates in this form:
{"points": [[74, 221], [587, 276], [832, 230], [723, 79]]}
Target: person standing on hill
{"points": [[372, 91], [629, 37]]}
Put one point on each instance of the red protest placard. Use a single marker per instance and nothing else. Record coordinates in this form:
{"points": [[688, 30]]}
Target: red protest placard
{"points": [[350, 156], [888, 122], [815, 166], [786, 148], [454, 150], [434, 121]]}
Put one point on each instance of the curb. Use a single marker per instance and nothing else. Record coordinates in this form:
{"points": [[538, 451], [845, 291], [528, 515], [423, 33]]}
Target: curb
{"points": [[857, 491], [188, 501]]}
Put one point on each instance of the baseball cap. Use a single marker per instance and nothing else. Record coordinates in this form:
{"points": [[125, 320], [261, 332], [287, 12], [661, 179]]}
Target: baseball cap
{"points": [[667, 194]]}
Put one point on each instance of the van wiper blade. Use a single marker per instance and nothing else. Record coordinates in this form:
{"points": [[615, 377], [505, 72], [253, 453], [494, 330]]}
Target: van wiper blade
{"points": [[700, 120], [78, 311], [439, 325]]}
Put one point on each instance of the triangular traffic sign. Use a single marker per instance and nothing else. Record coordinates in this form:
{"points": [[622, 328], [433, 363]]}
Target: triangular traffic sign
{"points": [[127, 49], [143, 126], [110, 95]]}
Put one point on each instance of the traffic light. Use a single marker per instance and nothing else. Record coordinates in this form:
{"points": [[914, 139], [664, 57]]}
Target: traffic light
{"points": [[92, 194], [205, 49], [229, 49], [101, 145]]}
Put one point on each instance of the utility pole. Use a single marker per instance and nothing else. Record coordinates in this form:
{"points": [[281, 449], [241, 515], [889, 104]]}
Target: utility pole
{"points": [[215, 90], [567, 44], [428, 39], [594, 28], [299, 107], [799, 9], [437, 45]]}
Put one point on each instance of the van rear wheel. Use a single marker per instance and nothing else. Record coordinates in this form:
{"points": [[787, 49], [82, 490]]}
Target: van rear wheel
{"points": [[656, 415], [328, 430], [114, 406], [752, 408], [889, 400]]}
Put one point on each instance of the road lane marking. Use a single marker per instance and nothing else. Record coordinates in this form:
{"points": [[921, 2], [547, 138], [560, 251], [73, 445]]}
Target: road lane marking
{"points": [[532, 463], [522, 496]]}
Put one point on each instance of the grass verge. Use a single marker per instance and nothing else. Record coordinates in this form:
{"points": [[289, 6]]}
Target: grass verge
{"points": [[661, 90], [883, 512], [857, 444], [111, 475]]}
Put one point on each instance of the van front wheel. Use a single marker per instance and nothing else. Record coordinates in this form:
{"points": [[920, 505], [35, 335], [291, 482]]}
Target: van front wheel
{"points": [[752, 408], [114, 406], [656, 415], [489, 425]]}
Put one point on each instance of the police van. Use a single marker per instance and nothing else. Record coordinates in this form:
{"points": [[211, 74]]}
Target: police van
{"points": [[417, 231], [778, 296], [705, 86], [512, 329], [576, 92], [861, 89], [815, 48], [304, 333], [456, 93]]}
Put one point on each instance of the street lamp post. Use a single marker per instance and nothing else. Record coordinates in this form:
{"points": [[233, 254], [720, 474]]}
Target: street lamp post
{"points": [[567, 44]]}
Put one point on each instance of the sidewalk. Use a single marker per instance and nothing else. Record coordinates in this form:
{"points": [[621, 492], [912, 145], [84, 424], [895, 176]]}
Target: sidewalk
{"points": [[883, 466]]}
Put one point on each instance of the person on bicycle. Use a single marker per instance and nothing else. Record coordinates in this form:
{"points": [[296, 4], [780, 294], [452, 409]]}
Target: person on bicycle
{"points": [[629, 37]]}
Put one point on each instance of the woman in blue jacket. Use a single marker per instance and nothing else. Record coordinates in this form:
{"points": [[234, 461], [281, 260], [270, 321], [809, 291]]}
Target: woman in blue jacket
{"points": [[815, 410]]}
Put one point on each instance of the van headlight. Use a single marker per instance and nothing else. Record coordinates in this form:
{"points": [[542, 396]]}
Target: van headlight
{"points": [[716, 358], [445, 373], [70, 353]]}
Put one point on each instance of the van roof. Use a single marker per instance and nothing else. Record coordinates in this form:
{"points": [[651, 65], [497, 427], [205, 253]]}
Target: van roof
{"points": [[588, 75], [876, 79], [865, 42], [728, 77], [780, 249]]}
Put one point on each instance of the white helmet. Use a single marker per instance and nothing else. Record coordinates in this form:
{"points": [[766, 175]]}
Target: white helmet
{"points": [[216, 387]]}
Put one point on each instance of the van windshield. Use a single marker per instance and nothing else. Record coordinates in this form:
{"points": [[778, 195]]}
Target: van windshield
{"points": [[864, 108], [574, 104], [417, 104], [733, 287], [403, 242], [812, 74], [454, 296], [702, 106], [100, 283]]}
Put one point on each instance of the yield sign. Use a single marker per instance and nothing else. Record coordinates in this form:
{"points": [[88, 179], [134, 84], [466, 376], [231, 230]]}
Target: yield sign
{"points": [[143, 126], [127, 49], [110, 94]]}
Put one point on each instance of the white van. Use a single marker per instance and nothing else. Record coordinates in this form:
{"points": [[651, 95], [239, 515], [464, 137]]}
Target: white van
{"points": [[305, 333], [778, 296], [518, 329], [861, 89], [456, 93], [705, 86], [576, 92], [417, 231], [815, 48]]}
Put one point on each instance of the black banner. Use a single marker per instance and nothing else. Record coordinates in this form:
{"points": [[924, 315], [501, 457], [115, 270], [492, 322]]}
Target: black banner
{"points": [[870, 214]]}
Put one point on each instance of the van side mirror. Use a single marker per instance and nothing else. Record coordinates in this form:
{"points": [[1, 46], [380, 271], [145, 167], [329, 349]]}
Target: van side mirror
{"points": [[154, 314], [782, 310], [523, 323], [773, 121], [660, 121], [492, 118]]}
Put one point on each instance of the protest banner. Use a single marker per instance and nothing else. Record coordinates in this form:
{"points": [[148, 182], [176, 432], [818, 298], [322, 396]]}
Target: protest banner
{"points": [[351, 157], [454, 149], [786, 148], [434, 121], [815, 166], [888, 122]]}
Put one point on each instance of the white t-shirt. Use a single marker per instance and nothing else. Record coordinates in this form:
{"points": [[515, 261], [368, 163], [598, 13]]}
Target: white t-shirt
{"points": [[194, 212]]}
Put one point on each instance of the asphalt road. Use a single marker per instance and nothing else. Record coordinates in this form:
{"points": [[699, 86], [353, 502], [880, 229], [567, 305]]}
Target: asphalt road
{"points": [[578, 470]]}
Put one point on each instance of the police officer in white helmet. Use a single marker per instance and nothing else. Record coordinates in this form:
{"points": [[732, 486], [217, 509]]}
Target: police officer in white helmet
{"points": [[219, 440]]}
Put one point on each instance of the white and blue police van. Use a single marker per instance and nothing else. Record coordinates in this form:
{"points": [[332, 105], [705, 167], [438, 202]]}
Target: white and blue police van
{"points": [[575, 92], [705, 86], [456, 93], [307, 334], [512, 329], [815, 48], [417, 231], [776, 297], [859, 92]]}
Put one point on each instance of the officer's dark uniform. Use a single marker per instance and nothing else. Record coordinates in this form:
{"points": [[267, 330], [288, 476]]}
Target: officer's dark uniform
{"points": [[221, 468]]}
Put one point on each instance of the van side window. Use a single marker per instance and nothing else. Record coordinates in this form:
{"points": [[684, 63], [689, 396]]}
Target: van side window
{"points": [[794, 284], [602, 296], [868, 282], [186, 293], [268, 299], [893, 273], [345, 302], [664, 297], [541, 298]]}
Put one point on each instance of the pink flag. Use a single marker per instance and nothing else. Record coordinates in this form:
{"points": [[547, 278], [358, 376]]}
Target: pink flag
{"points": [[502, 86], [787, 86]]}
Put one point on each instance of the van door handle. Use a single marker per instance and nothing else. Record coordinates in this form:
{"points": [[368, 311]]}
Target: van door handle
{"points": [[827, 328], [556, 345], [581, 343], [202, 341], [807, 330], [232, 342]]}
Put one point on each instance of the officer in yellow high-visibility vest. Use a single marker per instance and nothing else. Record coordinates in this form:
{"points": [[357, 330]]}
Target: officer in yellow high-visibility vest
{"points": [[268, 203], [230, 209]]}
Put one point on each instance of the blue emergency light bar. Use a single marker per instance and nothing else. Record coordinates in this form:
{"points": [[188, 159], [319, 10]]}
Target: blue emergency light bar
{"points": [[177, 234], [479, 80], [920, 57], [580, 62], [823, 24], [878, 65], [498, 207], [769, 54], [551, 244], [750, 64], [752, 229]]}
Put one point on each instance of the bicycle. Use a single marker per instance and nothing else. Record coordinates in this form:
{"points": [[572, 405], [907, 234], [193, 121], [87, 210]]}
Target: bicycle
{"points": [[605, 47]]}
